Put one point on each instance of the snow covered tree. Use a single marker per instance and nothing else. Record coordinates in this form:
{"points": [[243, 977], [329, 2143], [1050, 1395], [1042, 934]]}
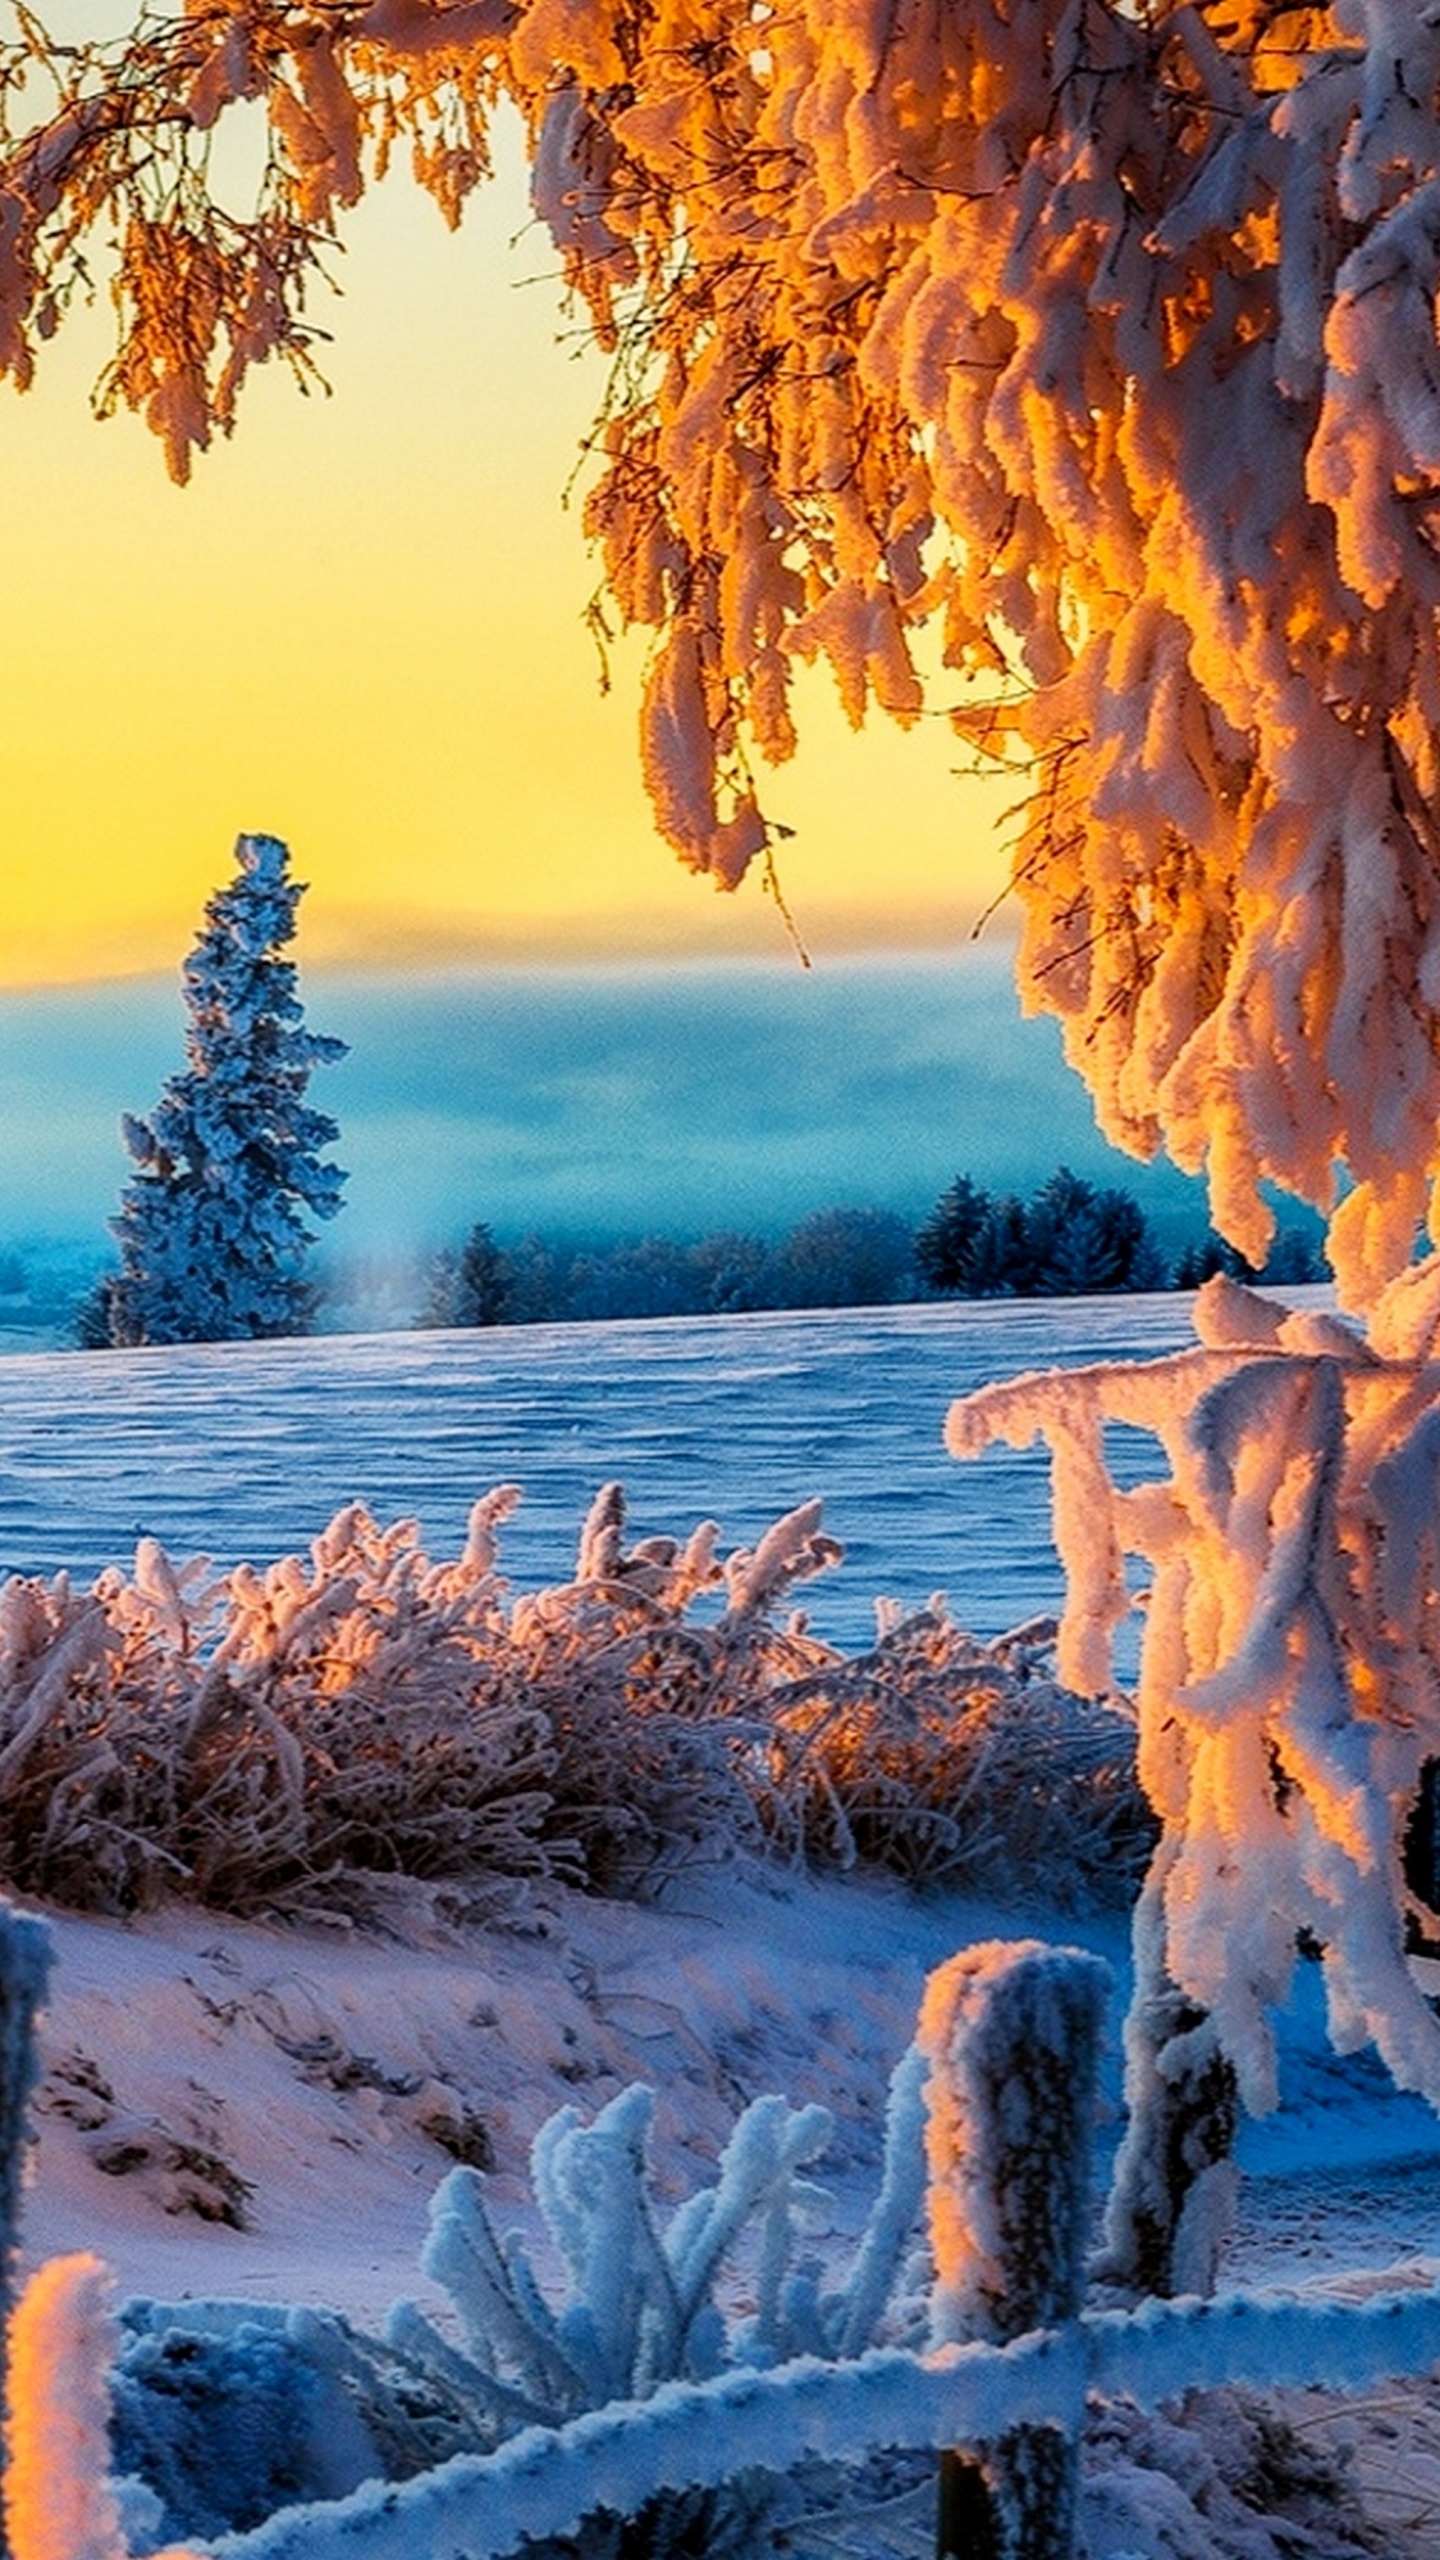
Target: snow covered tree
{"points": [[470, 1287], [211, 1227], [1085, 1239], [1288, 1703], [848, 1258], [1096, 337]]}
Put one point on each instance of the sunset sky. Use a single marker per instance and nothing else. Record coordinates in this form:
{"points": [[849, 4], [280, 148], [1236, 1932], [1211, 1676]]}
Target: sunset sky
{"points": [[361, 628]]}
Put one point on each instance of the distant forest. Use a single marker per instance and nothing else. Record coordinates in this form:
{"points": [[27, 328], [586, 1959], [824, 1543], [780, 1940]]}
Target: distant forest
{"points": [[1070, 1238]]}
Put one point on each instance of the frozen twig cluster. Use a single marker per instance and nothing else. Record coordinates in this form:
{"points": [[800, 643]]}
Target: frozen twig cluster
{"points": [[251, 1737], [950, 1761], [1288, 1686], [644, 2291]]}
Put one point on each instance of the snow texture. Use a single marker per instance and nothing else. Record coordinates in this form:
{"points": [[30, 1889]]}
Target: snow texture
{"points": [[239, 1450], [265, 2035]]}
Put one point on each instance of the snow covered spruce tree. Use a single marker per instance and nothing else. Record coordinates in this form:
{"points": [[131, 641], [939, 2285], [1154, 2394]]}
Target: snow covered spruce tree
{"points": [[211, 1228]]}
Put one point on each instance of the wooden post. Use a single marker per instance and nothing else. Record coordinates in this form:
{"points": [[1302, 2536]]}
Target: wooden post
{"points": [[24, 1967], [967, 2526], [1013, 2034]]}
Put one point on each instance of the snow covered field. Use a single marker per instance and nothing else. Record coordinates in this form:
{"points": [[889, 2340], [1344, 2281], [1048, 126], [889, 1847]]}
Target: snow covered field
{"points": [[232, 2110], [244, 1450]]}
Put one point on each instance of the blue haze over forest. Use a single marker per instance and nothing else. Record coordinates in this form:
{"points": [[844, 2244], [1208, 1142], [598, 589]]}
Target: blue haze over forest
{"points": [[595, 1102]]}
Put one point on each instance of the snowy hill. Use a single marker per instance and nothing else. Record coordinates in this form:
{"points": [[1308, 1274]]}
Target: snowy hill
{"points": [[245, 1450], [261, 2112]]}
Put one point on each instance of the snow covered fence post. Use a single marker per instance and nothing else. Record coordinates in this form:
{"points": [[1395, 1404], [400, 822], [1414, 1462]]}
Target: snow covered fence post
{"points": [[24, 1968], [1012, 2035], [59, 2503]]}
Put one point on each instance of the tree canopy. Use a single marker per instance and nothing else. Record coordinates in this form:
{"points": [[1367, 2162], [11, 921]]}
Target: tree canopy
{"points": [[1087, 347]]}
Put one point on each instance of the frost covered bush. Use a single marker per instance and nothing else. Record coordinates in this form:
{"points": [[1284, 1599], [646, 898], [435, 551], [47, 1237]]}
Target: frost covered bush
{"points": [[245, 1737], [215, 2415], [643, 2296], [255, 1737], [953, 1762]]}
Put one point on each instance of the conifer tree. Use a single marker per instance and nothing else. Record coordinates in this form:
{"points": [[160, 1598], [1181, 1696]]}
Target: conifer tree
{"points": [[951, 1244], [1084, 1240], [470, 1287], [212, 1226]]}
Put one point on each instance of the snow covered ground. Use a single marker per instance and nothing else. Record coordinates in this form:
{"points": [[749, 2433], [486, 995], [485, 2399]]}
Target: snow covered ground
{"points": [[262, 2112], [244, 1450]]}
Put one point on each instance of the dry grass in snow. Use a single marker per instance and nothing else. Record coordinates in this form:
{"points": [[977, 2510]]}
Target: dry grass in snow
{"points": [[286, 1738]]}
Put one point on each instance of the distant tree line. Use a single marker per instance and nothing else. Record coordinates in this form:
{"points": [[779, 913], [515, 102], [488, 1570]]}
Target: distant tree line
{"points": [[1071, 1238], [834, 1258], [229, 1167]]}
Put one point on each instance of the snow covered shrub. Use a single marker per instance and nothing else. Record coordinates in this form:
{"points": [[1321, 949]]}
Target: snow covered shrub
{"points": [[953, 1762], [260, 1737], [252, 1736], [221, 2413], [227, 2412], [643, 2294], [642, 1718], [1289, 1692], [76, 1818], [245, 1737], [343, 1725], [1225, 2476]]}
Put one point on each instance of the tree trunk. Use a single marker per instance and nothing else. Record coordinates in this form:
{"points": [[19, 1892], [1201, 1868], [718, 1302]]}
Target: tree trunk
{"points": [[1172, 2204]]}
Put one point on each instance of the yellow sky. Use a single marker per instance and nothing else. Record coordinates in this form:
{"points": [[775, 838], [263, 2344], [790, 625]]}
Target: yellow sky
{"points": [[360, 628]]}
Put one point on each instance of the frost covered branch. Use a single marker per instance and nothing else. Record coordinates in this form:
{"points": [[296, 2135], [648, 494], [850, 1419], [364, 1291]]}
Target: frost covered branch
{"points": [[1087, 347], [1289, 1690]]}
